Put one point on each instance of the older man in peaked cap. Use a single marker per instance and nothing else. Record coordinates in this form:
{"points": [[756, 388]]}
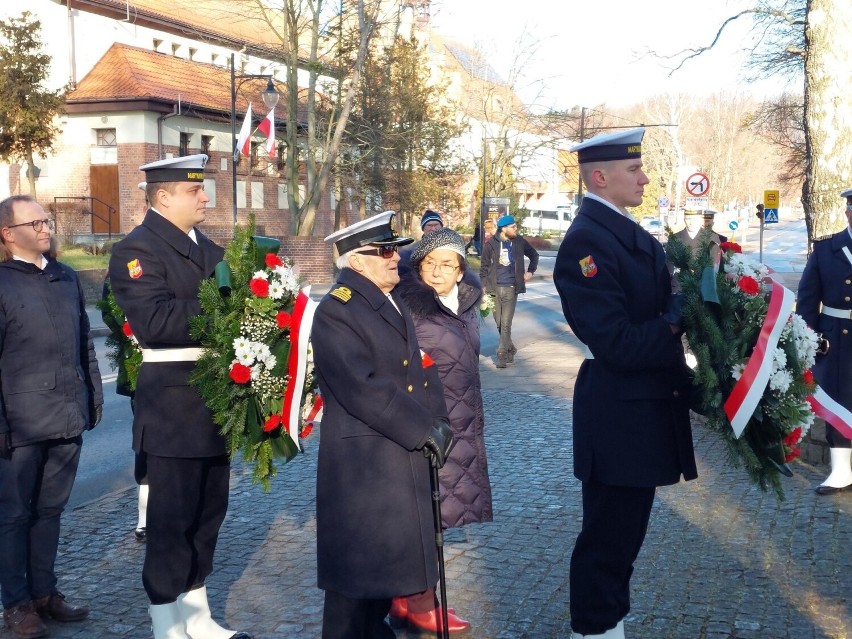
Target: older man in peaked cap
{"points": [[155, 273], [631, 416], [385, 418]]}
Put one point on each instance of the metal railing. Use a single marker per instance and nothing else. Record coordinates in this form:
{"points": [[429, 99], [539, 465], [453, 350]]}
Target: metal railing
{"points": [[91, 210]]}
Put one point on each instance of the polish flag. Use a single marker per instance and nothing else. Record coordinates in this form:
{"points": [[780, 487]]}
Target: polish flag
{"points": [[267, 127], [243, 142]]}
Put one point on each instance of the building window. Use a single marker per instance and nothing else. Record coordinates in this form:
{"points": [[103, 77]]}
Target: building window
{"points": [[183, 149], [157, 44], [192, 53], [105, 137], [206, 143]]}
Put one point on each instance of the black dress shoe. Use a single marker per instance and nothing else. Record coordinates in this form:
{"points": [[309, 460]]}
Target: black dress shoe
{"points": [[831, 490], [141, 535], [241, 635]]}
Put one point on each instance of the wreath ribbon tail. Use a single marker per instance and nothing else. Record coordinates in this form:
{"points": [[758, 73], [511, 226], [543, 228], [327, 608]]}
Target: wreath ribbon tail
{"points": [[222, 274], [831, 411], [300, 334], [748, 391]]}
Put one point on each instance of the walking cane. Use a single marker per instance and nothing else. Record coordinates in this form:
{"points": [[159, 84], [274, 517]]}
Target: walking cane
{"points": [[443, 632]]}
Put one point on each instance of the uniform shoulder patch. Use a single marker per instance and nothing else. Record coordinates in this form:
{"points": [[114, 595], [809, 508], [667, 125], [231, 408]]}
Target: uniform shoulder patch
{"points": [[134, 269], [341, 294], [588, 267]]}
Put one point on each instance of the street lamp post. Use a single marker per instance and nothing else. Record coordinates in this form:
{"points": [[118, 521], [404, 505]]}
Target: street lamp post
{"points": [[270, 99]]}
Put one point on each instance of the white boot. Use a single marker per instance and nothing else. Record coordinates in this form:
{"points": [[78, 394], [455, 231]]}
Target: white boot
{"points": [[841, 471], [615, 633], [166, 621], [196, 613], [142, 520]]}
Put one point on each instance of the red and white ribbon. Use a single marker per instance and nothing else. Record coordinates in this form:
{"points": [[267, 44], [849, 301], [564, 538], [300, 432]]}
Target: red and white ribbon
{"points": [[832, 412], [747, 392], [300, 334]]}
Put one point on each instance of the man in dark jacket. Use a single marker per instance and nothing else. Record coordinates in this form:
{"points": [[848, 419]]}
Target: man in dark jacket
{"points": [[631, 417], [823, 300], [50, 392], [504, 276], [155, 272], [384, 416]]}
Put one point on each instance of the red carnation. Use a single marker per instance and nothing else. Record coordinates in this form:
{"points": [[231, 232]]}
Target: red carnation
{"points": [[273, 260], [792, 438], [127, 330], [748, 285], [259, 287], [792, 455], [272, 423], [283, 318], [306, 430], [808, 376], [731, 246], [240, 373]]}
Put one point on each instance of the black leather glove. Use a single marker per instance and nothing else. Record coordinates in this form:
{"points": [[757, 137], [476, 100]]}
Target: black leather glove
{"points": [[5, 445], [438, 443], [674, 310], [96, 416], [822, 345]]}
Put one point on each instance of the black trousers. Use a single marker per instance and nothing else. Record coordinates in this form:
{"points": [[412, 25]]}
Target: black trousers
{"points": [[615, 520], [34, 489], [186, 507], [345, 618]]}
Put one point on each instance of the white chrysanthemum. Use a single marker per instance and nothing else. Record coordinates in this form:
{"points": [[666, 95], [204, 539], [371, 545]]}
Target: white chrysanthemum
{"points": [[737, 371], [804, 339], [780, 381], [260, 275], [255, 373], [263, 352], [276, 290], [289, 280], [256, 349], [270, 361], [244, 356], [241, 343], [779, 360]]}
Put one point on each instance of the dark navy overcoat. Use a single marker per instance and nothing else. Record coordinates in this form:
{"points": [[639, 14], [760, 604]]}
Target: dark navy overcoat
{"points": [[631, 416], [375, 528]]}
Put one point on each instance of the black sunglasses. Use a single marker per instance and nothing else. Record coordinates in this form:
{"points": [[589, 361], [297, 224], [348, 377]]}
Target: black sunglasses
{"points": [[385, 252]]}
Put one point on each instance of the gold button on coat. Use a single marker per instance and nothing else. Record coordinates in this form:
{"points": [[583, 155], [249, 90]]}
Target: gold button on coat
{"points": [[405, 362], [410, 388]]}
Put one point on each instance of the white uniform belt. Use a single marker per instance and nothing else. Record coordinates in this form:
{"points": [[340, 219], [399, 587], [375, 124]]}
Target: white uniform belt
{"points": [[840, 313], [156, 355]]}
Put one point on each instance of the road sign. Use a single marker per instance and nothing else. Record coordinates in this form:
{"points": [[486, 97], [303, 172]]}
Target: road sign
{"points": [[733, 225], [771, 199], [698, 185], [663, 202], [770, 216], [696, 203]]}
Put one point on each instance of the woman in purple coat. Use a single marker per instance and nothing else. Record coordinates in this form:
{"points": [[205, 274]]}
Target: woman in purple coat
{"points": [[443, 298]]}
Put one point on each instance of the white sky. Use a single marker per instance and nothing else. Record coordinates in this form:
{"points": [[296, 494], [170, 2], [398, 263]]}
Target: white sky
{"points": [[588, 49]]}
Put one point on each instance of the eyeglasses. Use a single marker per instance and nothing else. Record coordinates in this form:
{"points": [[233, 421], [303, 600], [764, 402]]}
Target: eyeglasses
{"points": [[444, 269], [385, 252], [37, 225]]}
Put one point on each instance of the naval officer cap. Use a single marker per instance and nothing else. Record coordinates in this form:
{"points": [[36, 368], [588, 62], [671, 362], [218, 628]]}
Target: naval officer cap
{"points": [[847, 193], [187, 168], [374, 231], [621, 145]]}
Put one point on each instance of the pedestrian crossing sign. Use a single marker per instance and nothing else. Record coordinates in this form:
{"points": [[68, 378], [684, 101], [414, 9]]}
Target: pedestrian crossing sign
{"points": [[770, 216]]}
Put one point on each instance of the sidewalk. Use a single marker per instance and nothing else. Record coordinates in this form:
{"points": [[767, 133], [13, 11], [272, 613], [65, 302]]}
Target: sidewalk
{"points": [[722, 559]]}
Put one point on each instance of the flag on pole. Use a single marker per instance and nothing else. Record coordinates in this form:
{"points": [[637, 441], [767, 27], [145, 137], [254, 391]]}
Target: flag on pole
{"points": [[243, 143], [267, 127]]}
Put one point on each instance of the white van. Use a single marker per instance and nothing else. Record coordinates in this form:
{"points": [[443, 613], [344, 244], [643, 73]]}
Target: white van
{"points": [[540, 222]]}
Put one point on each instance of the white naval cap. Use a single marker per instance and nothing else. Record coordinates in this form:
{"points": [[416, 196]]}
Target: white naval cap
{"points": [[142, 185], [846, 193], [376, 231], [187, 168], [621, 145]]}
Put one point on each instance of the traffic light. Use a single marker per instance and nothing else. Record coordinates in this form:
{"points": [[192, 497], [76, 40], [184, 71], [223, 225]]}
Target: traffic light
{"points": [[759, 211]]}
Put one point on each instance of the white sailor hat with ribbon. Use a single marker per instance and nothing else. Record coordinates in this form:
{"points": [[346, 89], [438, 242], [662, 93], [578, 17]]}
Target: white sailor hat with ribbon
{"points": [[374, 231]]}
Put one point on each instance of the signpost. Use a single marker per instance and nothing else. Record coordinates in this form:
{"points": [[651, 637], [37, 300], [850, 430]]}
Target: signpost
{"points": [[733, 225], [771, 200], [698, 185]]}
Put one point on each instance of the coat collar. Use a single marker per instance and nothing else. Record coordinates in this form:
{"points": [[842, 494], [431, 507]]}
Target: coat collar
{"points": [[628, 232], [841, 239], [199, 254]]}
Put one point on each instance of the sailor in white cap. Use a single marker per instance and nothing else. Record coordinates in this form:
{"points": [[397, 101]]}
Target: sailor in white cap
{"points": [[155, 272], [384, 418], [824, 300], [631, 415]]}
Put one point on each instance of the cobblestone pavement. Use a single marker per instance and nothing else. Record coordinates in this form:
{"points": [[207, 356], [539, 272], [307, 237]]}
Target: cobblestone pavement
{"points": [[722, 559]]}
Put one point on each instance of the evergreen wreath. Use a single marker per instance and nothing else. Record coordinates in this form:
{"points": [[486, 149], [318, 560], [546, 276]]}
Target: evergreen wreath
{"points": [[124, 354], [244, 330], [724, 308]]}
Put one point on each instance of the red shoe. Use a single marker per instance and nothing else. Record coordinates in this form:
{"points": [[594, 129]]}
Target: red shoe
{"points": [[431, 621], [398, 613]]}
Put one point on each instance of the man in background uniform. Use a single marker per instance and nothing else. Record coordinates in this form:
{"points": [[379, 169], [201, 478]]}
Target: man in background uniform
{"points": [[384, 418], [631, 417], [155, 273], [824, 300]]}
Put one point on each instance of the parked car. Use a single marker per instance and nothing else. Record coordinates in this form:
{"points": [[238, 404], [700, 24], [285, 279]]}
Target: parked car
{"points": [[652, 225]]}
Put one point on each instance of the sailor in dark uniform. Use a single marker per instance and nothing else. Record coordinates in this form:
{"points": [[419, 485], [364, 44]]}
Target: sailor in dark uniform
{"points": [[384, 416], [824, 300], [631, 414], [155, 273]]}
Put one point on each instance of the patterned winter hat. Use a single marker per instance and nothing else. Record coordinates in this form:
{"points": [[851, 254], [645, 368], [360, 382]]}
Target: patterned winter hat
{"points": [[442, 238]]}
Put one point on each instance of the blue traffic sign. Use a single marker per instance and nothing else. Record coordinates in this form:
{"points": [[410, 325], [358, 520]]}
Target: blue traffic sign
{"points": [[733, 225], [770, 216]]}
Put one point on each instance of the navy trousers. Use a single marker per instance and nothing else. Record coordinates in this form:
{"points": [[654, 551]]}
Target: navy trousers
{"points": [[34, 489], [345, 618]]}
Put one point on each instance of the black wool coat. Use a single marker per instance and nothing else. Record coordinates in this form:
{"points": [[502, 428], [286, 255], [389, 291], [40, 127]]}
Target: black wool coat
{"points": [[49, 378], [631, 414], [155, 272], [375, 527], [452, 341], [827, 279]]}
